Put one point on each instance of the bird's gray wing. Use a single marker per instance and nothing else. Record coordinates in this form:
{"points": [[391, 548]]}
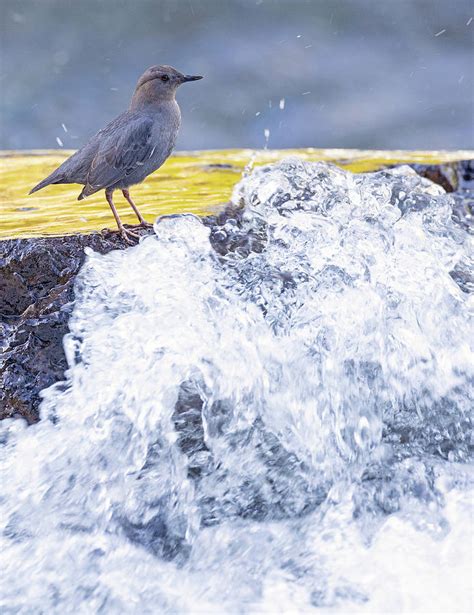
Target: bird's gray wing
{"points": [[122, 149]]}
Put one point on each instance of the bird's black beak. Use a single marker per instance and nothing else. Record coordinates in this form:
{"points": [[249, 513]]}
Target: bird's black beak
{"points": [[191, 78]]}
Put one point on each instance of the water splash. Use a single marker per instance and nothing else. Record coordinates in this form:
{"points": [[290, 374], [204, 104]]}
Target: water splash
{"points": [[253, 406], [266, 134]]}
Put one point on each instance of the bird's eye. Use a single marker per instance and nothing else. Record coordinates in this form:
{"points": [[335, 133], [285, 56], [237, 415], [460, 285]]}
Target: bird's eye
{"points": [[165, 78]]}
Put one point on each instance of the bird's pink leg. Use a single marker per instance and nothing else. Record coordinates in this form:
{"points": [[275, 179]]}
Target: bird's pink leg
{"points": [[143, 222], [123, 231]]}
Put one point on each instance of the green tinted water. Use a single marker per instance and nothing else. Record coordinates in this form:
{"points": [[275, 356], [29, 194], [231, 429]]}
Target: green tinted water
{"points": [[196, 182]]}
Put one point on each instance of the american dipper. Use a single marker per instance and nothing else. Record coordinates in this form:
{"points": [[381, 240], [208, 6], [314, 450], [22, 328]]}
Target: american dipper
{"points": [[131, 146]]}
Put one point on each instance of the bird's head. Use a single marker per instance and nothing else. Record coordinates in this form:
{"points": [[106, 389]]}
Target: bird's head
{"points": [[160, 83]]}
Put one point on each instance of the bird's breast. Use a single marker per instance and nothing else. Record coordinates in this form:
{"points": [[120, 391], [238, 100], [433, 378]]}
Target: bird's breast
{"points": [[162, 139], [166, 122]]}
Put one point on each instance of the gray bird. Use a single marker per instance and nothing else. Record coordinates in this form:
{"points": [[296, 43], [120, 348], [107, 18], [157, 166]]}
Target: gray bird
{"points": [[131, 146]]}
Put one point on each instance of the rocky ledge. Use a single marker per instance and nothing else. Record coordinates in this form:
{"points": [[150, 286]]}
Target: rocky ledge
{"points": [[37, 293]]}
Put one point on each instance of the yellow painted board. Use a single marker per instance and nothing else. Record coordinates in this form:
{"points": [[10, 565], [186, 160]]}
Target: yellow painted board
{"points": [[199, 182]]}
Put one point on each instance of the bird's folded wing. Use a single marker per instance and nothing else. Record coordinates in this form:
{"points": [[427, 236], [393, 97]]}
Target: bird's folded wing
{"points": [[119, 155]]}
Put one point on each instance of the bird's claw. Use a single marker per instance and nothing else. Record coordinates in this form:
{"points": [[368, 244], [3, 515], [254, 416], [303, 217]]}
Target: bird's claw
{"points": [[129, 236]]}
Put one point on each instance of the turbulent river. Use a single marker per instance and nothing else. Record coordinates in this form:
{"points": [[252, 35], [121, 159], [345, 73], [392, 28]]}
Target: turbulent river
{"points": [[269, 411]]}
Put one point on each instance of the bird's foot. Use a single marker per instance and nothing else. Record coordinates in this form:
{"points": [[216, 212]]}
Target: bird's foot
{"points": [[129, 236], [145, 224]]}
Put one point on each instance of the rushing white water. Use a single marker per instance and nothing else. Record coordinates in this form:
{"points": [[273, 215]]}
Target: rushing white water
{"points": [[269, 413]]}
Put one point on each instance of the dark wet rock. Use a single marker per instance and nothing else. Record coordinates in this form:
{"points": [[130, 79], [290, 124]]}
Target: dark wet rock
{"points": [[36, 293], [446, 175], [452, 176], [458, 178]]}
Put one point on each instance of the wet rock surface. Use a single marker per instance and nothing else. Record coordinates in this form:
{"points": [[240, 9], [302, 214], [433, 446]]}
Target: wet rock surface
{"points": [[37, 291], [457, 178], [36, 294]]}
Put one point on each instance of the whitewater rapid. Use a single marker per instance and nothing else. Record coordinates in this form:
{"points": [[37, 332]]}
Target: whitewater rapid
{"points": [[267, 411]]}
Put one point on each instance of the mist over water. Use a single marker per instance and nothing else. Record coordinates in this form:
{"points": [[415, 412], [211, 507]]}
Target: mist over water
{"points": [[379, 74], [264, 412]]}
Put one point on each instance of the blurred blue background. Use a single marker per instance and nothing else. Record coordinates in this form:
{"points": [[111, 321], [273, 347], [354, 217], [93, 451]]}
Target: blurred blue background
{"points": [[322, 73]]}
